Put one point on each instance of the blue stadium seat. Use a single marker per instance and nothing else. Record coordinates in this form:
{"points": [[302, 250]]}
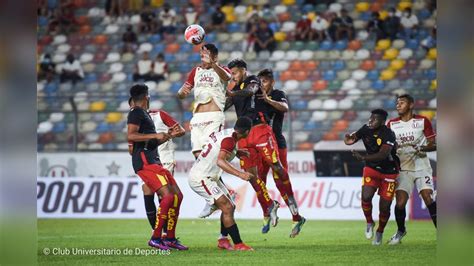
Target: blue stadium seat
{"points": [[341, 45], [326, 45], [309, 126], [102, 127], [430, 74], [90, 78], [378, 85], [154, 39], [42, 21], [338, 65], [59, 127], [158, 48], [373, 75], [233, 27], [175, 87], [329, 75], [299, 105], [412, 44]]}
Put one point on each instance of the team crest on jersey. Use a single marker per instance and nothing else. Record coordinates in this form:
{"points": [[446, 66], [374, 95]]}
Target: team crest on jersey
{"points": [[379, 141], [215, 190], [242, 85], [416, 124], [367, 179]]}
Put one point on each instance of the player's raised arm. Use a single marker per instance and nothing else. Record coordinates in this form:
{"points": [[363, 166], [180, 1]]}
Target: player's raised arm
{"points": [[185, 90], [223, 163], [248, 91], [351, 138]]}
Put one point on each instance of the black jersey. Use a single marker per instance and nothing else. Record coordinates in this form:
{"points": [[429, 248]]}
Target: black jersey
{"points": [[276, 117], [142, 150], [246, 106], [373, 141]]}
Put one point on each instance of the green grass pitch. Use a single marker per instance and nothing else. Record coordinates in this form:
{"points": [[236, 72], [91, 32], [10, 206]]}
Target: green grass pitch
{"points": [[322, 242]]}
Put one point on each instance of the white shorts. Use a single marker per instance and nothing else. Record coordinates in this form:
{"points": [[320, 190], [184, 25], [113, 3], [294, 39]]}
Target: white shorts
{"points": [[202, 125], [423, 179], [209, 189]]}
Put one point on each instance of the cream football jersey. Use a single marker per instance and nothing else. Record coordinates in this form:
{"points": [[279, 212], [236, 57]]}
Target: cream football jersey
{"points": [[411, 134], [207, 86], [206, 164]]}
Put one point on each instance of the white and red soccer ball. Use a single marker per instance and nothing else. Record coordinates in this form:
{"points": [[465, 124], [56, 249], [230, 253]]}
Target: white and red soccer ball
{"points": [[194, 34]]}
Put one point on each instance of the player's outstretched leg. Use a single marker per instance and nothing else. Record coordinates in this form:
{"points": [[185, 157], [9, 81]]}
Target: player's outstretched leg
{"points": [[227, 208], [384, 215], [367, 195], [400, 215], [266, 203]]}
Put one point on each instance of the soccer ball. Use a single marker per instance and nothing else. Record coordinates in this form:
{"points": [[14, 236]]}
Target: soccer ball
{"points": [[194, 34]]}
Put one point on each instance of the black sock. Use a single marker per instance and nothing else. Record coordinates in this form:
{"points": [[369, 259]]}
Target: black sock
{"points": [[432, 210], [224, 231], [150, 209], [400, 215], [234, 234]]}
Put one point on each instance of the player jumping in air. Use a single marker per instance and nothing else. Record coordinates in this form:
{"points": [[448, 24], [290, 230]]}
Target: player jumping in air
{"points": [[381, 169], [146, 163], [204, 177], [208, 80], [261, 144], [415, 137], [274, 104]]}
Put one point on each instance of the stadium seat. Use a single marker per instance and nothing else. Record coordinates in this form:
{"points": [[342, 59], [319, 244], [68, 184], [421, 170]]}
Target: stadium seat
{"points": [[362, 6], [367, 65], [397, 64], [387, 74], [383, 44], [432, 54], [390, 54]]}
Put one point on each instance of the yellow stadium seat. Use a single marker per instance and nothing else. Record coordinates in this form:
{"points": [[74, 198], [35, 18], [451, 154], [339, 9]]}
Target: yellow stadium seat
{"points": [[383, 44], [97, 106], [434, 84], [390, 54], [157, 3], [404, 4], [288, 2], [228, 9], [387, 74], [280, 36], [383, 14], [230, 18], [311, 15], [113, 117], [429, 114], [432, 54], [397, 64], [362, 6]]}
